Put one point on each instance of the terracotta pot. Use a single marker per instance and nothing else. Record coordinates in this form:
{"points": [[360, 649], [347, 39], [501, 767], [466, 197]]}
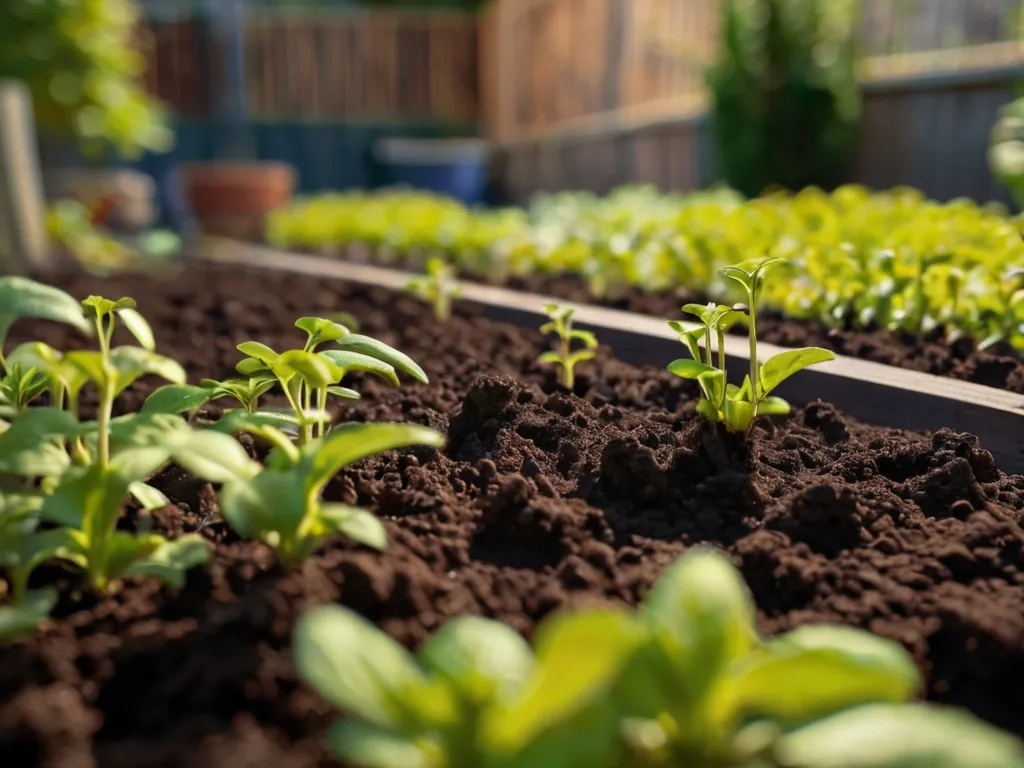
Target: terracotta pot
{"points": [[233, 199]]}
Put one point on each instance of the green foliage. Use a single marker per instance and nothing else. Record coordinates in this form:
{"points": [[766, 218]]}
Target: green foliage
{"points": [[81, 62], [282, 505], [437, 287], [722, 402], [785, 97], [1006, 153], [560, 324], [684, 681]]}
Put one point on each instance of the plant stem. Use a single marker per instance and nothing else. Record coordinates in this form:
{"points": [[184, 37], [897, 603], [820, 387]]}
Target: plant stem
{"points": [[721, 365], [321, 397], [103, 424], [707, 346], [752, 297]]}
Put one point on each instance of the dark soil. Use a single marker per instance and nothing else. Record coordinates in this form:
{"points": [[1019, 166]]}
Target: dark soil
{"points": [[542, 499]]}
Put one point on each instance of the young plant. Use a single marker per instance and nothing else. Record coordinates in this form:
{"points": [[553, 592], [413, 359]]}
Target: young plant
{"points": [[684, 681], [22, 297], [721, 402], [19, 387], [282, 505], [437, 287], [22, 548], [560, 323]]}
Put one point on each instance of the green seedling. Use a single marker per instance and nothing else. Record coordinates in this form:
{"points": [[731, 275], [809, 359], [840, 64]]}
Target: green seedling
{"points": [[684, 681], [560, 323], [282, 505], [22, 548], [724, 403], [19, 387], [437, 287], [21, 297]]}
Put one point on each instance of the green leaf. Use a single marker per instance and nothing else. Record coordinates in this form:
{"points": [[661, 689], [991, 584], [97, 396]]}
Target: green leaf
{"points": [[773, 406], [359, 525], [739, 414], [20, 619], [712, 383], [260, 352], [29, 448], [273, 502], [148, 497], [349, 394], [133, 362], [250, 366], [89, 363], [176, 398], [780, 367], [701, 615], [484, 660], [320, 329], [551, 357], [315, 369], [212, 456], [368, 745], [124, 551], [355, 361], [138, 327], [588, 338], [35, 354], [356, 667], [690, 369], [22, 297], [172, 559], [900, 736], [348, 443], [369, 346]]}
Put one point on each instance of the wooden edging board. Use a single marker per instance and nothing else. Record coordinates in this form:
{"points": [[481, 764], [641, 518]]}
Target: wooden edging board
{"points": [[871, 392]]}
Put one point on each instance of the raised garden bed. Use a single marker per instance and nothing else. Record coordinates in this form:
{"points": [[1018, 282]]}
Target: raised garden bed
{"points": [[541, 499]]}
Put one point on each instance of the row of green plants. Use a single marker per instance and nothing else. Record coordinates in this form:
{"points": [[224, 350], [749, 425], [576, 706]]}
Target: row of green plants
{"points": [[683, 681], [893, 260]]}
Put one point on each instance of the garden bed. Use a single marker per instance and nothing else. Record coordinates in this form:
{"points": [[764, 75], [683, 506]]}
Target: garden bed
{"points": [[542, 499]]}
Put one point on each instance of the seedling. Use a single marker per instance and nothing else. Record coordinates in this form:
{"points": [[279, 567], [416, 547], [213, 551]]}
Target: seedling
{"points": [[282, 505], [684, 681], [721, 402], [22, 548], [564, 356], [19, 388], [21, 297], [437, 287]]}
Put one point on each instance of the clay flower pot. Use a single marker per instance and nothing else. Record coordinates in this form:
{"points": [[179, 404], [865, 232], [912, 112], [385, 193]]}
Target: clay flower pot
{"points": [[233, 198]]}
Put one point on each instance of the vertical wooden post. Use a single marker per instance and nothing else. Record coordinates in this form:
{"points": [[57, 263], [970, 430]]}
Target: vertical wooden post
{"points": [[24, 244]]}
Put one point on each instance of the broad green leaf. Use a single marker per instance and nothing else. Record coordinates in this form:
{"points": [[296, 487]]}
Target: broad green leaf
{"points": [[133, 362], [320, 329], [29, 447], [123, 551], [89, 363], [703, 311], [359, 525], [250, 366], [484, 660], [355, 361], [149, 498], [365, 744], [138, 327], [739, 415], [578, 656], [690, 369], [356, 667], [347, 443], [176, 398], [172, 559], [35, 354], [22, 297], [702, 616], [780, 367], [773, 406], [273, 502], [20, 619], [212, 456], [681, 327], [369, 346], [239, 420], [900, 736], [713, 385], [260, 352], [315, 369]]}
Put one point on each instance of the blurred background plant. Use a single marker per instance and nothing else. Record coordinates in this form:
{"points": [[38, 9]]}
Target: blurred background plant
{"points": [[1006, 154], [785, 98]]}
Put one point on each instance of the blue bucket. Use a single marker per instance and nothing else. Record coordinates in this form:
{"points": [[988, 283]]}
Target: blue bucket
{"points": [[459, 168]]}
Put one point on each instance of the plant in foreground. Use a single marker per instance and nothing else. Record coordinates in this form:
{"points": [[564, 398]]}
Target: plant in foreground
{"points": [[437, 287], [722, 402], [684, 682], [560, 323], [282, 505]]}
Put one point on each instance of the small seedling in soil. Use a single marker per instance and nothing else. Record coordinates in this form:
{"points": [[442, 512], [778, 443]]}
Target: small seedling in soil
{"points": [[282, 505], [564, 356], [684, 681], [437, 287], [724, 403]]}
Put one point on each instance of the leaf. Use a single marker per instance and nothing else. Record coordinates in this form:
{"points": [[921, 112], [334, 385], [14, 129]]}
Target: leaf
{"points": [[773, 406], [368, 745], [133, 362], [29, 448], [22, 297], [172, 559], [19, 619], [320, 329], [739, 414], [690, 369], [35, 354], [212, 456], [138, 327], [148, 497], [355, 361], [359, 525], [900, 736], [702, 616], [348, 443], [123, 551], [780, 367], [176, 398], [89, 363], [816, 671], [250, 366], [356, 667], [315, 369], [588, 338], [368, 346], [712, 383], [482, 659], [551, 357], [260, 352], [349, 394]]}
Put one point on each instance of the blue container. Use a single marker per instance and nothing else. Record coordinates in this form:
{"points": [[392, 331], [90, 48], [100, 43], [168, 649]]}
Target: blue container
{"points": [[459, 168]]}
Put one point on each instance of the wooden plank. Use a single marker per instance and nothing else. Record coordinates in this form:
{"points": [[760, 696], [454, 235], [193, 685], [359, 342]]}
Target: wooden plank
{"points": [[876, 394]]}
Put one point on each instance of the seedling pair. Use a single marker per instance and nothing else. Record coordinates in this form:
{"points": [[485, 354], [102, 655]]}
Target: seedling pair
{"points": [[565, 357], [684, 681], [722, 402], [437, 287]]}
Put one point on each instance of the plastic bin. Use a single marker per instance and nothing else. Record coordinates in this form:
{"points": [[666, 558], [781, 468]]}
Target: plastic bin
{"points": [[459, 168]]}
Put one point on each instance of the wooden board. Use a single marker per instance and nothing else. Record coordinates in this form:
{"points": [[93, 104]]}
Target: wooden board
{"points": [[871, 392]]}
